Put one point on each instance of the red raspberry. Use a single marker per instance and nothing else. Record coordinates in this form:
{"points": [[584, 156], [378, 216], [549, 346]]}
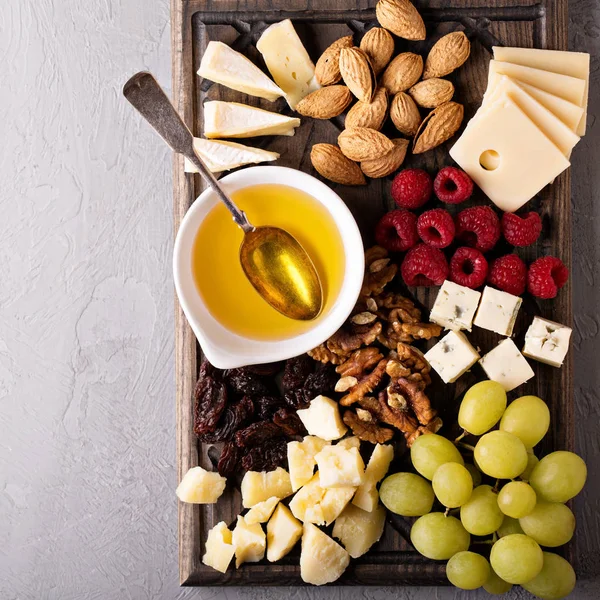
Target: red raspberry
{"points": [[521, 231], [411, 188], [468, 267], [436, 227], [478, 227], [509, 274], [397, 231], [452, 185], [546, 276], [424, 265]]}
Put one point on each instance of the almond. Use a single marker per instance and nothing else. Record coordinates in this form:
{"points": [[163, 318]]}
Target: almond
{"points": [[378, 45], [402, 73], [388, 163], [369, 114], [405, 114], [329, 162], [326, 103], [438, 126], [447, 54], [357, 73], [327, 69], [432, 92], [362, 143], [401, 18]]}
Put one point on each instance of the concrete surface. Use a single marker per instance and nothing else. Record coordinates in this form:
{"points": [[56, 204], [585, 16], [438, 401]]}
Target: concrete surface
{"points": [[87, 418]]}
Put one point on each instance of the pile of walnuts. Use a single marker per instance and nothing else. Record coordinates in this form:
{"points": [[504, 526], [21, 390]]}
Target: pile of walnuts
{"points": [[382, 375]]}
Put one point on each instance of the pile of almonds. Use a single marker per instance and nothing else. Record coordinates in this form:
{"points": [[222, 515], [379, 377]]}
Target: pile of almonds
{"points": [[384, 85]]}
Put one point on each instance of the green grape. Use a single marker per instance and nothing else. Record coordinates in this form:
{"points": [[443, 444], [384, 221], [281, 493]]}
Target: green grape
{"points": [[482, 407], [509, 526], [430, 451], [556, 580], [407, 494], [559, 476], [481, 515], [467, 570], [452, 484], [495, 585], [500, 454], [550, 524], [516, 499], [475, 474], [516, 558], [528, 418], [532, 461], [439, 537]]}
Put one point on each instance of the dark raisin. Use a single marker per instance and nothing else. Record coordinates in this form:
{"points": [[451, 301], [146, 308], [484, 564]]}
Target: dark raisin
{"points": [[297, 399], [267, 406], [290, 422], [321, 382], [235, 417], [296, 371], [266, 370], [267, 456], [211, 400], [207, 369], [230, 460], [245, 383], [257, 433]]}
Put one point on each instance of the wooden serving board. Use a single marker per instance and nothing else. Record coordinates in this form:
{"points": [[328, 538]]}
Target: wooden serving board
{"points": [[239, 23]]}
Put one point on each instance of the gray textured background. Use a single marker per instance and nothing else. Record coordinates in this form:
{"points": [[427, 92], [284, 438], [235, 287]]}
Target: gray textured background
{"points": [[87, 408]]}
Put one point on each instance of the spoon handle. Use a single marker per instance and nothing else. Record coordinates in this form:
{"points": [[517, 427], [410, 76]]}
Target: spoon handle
{"points": [[148, 98]]}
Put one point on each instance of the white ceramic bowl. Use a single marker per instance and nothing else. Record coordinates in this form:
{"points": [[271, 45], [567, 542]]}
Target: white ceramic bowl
{"points": [[225, 349]]}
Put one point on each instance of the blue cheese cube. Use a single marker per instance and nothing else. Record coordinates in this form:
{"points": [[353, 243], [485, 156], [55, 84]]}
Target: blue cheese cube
{"points": [[452, 356], [455, 306], [497, 311], [547, 341], [506, 365]]}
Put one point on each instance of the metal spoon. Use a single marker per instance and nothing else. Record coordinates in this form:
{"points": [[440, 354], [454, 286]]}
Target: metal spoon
{"points": [[274, 262]]}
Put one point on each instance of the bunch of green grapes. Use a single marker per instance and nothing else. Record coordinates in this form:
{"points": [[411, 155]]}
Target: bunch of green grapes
{"points": [[504, 492]]}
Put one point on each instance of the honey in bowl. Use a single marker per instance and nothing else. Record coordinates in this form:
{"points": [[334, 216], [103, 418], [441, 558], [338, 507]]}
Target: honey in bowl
{"points": [[218, 275]]}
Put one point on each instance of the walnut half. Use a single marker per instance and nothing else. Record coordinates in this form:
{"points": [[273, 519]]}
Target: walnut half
{"points": [[367, 430]]}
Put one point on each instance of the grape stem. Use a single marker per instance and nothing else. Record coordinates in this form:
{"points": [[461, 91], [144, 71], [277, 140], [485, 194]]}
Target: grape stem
{"points": [[466, 446], [461, 436], [496, 487]]}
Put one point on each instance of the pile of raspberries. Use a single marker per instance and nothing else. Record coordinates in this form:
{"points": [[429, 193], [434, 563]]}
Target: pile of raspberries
{"points": [[477, 231]]}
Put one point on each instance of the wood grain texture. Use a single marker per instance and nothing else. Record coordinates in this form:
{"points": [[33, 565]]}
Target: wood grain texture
{"points": [[195, 22]]}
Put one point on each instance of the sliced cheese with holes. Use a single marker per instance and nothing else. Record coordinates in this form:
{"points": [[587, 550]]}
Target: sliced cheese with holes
{"points": [[526, 160], [564, 86], [562, 137], [234, 120], [570, 114], [223, 156], [224, 65], [288, 61], [573, 64]]}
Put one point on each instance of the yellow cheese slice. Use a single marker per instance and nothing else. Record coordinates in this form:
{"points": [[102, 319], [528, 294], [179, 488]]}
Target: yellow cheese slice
{"points": [[288, 61], [234, 120], [223, 156], [525, 159], [564, 86], [224, 65], [573, 64]]}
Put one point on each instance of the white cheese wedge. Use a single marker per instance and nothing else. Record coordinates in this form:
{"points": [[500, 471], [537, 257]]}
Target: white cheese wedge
{"points": [[261, 512], [249, 542], [288, 61], [455, 306], [283, 531], [199, 486], [301, 459], [350, 442], [526, 160], [219, 548], [547, 341], [497, 311], [573, 64], [564, 86], [559, 133], [224, 65], [340, 467], [322, 560], [506, 365], [224, 156], [322, 418], [452, 356], [260, 486], [234, 120], [367, 496], [358, 529]]}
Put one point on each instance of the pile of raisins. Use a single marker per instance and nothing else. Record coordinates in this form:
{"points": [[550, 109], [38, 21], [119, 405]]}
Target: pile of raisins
{"points": [[252, 410]]}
